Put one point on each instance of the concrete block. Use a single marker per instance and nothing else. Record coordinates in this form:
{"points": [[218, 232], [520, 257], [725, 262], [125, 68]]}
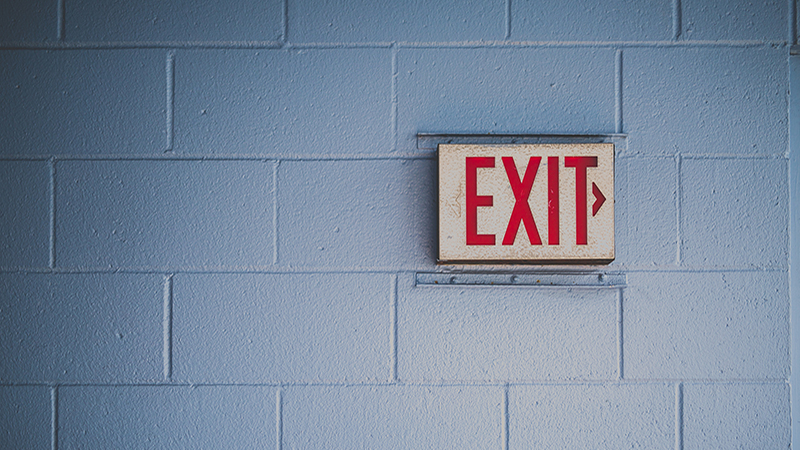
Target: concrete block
{"points": [[706, 325], [25, 417], [308, 102], [29, 21], [166, 417], [574, 20], [80, 328], [707, 100], [736, 416], [369, 21], [186, 214], [502, 90], [735, 213], [82, 102], [173, 20], [647, 218], [391, 417], [502, 333], [267, 328], [24, 214], [591, 416], [369, 213], [736, 20]]}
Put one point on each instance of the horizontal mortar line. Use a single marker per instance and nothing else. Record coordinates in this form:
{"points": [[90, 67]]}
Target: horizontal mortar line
{"points": [[26, 158], [689, 269], [777, 156], [446, 134], [189, 45], [735, 382], [130, 45], [334, 45], [620, 269], [68, 271], [412, 383], [709, 381], [643, 156], [590, 44], [717, 156], [277, 45], [642, 382], [134, 384], [450, 270], [423, 155], [260, 158], [437, 383], [276, 384]]}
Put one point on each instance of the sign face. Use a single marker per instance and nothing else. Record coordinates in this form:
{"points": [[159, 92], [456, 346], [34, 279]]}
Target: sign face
{"points": [[535, 203]]}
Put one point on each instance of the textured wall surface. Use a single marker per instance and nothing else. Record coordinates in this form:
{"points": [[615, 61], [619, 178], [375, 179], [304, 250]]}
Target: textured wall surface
{"points": [[218, 227]]}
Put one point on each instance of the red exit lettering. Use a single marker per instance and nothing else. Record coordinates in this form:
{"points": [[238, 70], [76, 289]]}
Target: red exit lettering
{"points": [[521, 213]]}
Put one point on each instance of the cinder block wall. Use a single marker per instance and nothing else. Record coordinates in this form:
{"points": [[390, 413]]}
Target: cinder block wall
{"points": [[214, 216]]}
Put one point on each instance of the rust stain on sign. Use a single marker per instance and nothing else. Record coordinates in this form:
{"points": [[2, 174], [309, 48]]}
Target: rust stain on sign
{"points": [[537, 203]]}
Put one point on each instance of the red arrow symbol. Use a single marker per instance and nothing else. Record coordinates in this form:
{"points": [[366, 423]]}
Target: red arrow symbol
{"points": [[599, 199]]}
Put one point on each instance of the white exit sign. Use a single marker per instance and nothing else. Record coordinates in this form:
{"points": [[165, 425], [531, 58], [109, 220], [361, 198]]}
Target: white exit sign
{"points": [[537, 203]]}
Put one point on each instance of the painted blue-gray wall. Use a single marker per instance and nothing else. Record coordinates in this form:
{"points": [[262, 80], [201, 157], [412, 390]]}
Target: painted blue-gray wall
{"points": [[216, 221]]}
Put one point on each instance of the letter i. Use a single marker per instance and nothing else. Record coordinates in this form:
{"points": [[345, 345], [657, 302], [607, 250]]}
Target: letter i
{"points": [[552, 200]]}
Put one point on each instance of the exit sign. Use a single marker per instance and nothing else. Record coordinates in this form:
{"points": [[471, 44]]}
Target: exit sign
{"points": [[535, 203]]}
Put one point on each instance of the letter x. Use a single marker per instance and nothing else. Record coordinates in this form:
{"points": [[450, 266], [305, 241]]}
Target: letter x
{"points": [[522, 211]]}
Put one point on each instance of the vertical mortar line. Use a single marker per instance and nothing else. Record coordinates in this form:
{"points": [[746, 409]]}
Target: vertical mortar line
{"points": [[679, 416], [60, 20], [167, 324], [393, 337], [284, 22], [54, 417], [394, 97], [677, 19], [508, 20], [620, 340], [618, 91], [275, 165], [505, 417], [678, 194], [170, 100], [279, 418], [52, 187]]}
